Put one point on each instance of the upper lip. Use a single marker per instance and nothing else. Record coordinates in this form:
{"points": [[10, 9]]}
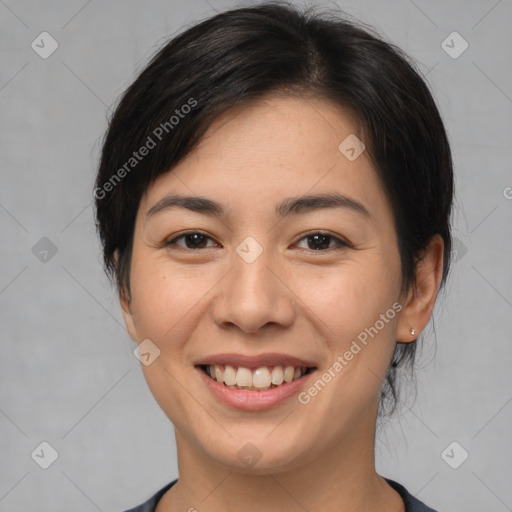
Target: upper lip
{"points": [[268, 359]]}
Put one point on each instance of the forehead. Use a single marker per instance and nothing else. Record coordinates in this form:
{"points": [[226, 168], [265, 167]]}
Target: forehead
{"points": [[278, 131], [269, 149]]}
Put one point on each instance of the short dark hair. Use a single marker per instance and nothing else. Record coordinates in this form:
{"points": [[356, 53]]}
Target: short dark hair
{"points": [[244, 54]]}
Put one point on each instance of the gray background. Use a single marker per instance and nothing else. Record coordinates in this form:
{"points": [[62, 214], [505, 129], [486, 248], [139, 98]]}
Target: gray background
{"points": [[68, 374]]}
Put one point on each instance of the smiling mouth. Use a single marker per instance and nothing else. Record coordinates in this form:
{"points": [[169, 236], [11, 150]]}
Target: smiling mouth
{"points": [[262, 378]]}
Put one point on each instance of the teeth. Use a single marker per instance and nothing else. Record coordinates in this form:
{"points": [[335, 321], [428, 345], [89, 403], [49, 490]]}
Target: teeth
{"points": [[230, 376], [277, 375], [288, 374], [243, 377], [261, 379]]}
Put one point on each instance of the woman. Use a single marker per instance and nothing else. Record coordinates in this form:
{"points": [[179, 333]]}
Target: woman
{"points": [[273, 201]]}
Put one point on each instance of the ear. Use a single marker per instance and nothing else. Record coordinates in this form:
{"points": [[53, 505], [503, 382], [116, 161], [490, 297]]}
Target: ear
{"points": [[126, 308], [421, 297]]}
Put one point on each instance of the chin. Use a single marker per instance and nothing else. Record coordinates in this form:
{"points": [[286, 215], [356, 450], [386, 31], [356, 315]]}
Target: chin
{"points": [[258, 454]]}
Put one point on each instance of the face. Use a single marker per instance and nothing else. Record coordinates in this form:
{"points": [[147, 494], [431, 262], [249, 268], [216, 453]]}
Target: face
{"points": [[265, 279]]}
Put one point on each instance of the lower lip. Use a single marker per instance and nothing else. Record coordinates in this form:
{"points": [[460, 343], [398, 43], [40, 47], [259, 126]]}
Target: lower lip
{"points": [[254, 400]]}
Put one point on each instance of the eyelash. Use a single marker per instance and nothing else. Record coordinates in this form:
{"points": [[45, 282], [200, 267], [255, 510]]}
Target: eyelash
{"points": [[341, 244]]}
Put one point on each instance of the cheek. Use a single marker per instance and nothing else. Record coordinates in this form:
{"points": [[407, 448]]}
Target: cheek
{"points": [[350, 298], [165, 300], [357, 311]]}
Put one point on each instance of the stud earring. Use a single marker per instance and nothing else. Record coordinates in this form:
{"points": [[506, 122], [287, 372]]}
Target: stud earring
{"points": [[413, 332]]}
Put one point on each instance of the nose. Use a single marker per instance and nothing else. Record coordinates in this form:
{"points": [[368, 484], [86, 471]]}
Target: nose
{"points": [[253, 295]]}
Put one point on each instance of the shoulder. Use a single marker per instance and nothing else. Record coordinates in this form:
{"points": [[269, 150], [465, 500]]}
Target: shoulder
{"points": [[150, 504], [412, 504]]}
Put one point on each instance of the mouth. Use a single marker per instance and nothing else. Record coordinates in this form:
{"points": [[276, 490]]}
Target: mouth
{"points": [[259, 379], [254, 382]]}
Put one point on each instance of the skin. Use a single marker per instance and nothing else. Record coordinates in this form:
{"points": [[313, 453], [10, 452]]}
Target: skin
{"points": [[293, 299]]}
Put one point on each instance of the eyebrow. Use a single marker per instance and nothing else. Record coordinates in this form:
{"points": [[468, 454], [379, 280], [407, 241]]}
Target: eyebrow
{"points": [[290, 206]]}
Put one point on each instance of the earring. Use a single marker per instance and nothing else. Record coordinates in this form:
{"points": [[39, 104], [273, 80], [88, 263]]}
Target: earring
{"points": [[413, 332]]}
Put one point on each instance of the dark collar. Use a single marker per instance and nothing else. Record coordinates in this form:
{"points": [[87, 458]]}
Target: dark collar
{"points": [[411, 503]]}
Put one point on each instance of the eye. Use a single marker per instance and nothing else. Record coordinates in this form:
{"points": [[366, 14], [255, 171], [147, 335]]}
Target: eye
{"points": [[316, 241], [192, 239], [320, 241]]}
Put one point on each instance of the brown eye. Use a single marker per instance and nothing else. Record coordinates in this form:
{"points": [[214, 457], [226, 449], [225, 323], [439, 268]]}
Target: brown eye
{"points": [[322, 242], [192, 240]]}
